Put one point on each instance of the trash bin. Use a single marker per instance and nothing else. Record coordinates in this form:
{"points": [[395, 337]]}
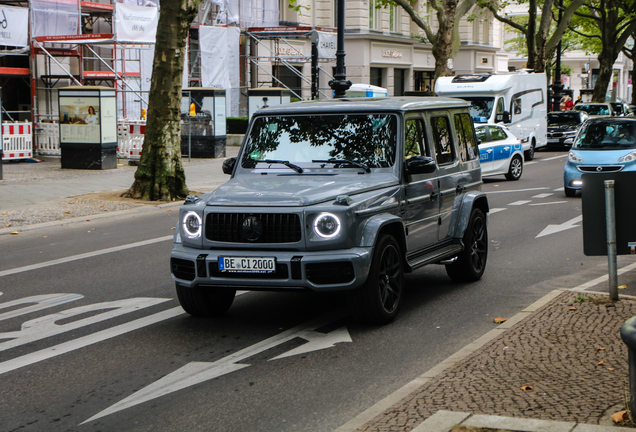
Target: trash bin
{"points": [[203, 130]]}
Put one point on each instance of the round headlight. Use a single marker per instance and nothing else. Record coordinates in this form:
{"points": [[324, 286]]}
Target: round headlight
{"points": [[327, 225], [192, 225]]}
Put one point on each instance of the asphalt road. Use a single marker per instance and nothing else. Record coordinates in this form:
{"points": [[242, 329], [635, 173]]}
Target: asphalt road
{"points": [[117, 352]]}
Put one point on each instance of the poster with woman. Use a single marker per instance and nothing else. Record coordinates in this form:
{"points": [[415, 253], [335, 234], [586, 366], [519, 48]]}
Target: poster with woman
{"points": [[79, 119]]}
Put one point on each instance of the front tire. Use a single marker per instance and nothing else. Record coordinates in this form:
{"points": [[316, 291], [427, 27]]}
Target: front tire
{"points": [[205, 302], [379, 299], [515, 170], [471, 262], [529, 154]]}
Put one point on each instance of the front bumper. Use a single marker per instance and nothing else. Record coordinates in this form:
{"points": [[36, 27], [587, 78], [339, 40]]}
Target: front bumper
{"points": [[319, 271]]}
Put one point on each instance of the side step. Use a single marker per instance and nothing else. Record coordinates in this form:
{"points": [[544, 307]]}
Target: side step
{"points": [[434, 256]]}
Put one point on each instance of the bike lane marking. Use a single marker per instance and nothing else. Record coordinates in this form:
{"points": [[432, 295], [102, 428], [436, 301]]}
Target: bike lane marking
{"points": [[84, 255]]}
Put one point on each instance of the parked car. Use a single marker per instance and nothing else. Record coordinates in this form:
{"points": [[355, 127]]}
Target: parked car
{"points": [[602, 145], [500, 152], [595, 109], [341, 195], [622, 109], [563, 125]]}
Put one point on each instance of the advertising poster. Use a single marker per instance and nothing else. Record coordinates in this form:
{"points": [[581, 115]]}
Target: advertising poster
{"points": [[15, 26], [136, 23], [79, 120], [109, 119]]}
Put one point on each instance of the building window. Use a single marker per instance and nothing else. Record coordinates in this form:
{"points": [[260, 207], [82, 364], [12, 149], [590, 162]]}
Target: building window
{"points": [[394, 19], [374, 15], [376, 76], [423, 80]]}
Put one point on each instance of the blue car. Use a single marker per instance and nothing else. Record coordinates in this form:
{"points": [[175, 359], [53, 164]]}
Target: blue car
{"points": [[605, 144]]}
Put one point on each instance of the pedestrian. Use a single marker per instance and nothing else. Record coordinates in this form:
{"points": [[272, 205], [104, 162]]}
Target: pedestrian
{"points": [[569, 104]]}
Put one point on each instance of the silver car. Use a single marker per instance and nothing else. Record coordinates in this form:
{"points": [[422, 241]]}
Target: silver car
{"points": [[344, 195]]}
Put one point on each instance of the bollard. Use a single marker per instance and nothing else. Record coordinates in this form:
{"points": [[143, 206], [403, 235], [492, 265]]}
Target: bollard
{"points": [[610, 218], [628, 334]]}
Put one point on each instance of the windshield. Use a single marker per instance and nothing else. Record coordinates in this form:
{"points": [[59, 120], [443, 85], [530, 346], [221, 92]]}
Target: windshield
{"points": [[607, 135], [480, 108], [564, 119], [368, 139], [593, 109]]}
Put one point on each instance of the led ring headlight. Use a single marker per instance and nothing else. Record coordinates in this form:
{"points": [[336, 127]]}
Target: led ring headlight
{"points": [[192, 225], [327, 225]]}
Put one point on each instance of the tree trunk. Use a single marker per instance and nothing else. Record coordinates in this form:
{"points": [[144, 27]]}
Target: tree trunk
{"points": [[606, 65], [443, 46], [160, 174]]}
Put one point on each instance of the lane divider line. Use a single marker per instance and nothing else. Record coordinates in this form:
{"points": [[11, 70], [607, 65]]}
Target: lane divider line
{"points": [[84, 255]]}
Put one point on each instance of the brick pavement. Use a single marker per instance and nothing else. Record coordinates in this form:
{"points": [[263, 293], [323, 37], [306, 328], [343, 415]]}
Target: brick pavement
{"points": [[555, 350]]}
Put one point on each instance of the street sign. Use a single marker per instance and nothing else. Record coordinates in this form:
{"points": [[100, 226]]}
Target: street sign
{"points": [[594, 224]]}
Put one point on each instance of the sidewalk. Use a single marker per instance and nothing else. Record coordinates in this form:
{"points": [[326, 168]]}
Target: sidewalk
{"points": [[33, 193], [559, 365]]}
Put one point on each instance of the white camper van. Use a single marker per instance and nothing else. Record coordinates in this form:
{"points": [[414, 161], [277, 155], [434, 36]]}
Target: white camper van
{"points": [[517, 99]]}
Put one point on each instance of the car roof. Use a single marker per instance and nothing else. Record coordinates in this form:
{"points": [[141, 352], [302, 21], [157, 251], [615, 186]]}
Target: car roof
{"points": [[353, 105]]}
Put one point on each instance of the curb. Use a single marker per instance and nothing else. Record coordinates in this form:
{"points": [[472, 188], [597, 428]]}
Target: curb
{"points": [[381, 406]]}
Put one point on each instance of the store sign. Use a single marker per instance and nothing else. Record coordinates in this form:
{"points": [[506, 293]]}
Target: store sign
{"points": [[391, 54], [14, 26], [136, 23], [327, 45], [287, 51]]}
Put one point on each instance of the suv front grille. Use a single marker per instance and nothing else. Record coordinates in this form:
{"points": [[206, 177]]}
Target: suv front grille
{"points": [[253, 228]]}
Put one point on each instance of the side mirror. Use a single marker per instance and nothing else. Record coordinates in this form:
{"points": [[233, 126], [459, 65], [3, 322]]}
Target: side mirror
{"points": [[228, 165], [420, 165], [506, 117]]}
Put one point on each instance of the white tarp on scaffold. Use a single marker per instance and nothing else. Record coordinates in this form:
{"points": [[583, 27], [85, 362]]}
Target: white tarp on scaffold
{"points": [[220, 66], [259, 13], [15, 26], [55, 17], [228, 11], [136, 23]]}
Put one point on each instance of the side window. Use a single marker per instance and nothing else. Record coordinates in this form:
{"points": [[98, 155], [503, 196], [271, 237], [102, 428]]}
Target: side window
{"points": [[481, 134], [500, 106], [413, 138], [516, 106], [443, 140], [497, 134], [466, 142]]}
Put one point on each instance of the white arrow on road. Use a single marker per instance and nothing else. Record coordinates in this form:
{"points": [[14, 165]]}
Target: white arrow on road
{"points": [[551, 229], [198, 372]]}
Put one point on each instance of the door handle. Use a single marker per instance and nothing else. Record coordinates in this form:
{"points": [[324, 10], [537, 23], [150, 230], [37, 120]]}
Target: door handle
{"points": [[460, 189], [489, 151], [434, 196], [506, 148]]}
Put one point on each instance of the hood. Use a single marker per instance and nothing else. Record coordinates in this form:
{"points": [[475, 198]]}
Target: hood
{"points": [[601, 157], [564, 128], [295, 190]]}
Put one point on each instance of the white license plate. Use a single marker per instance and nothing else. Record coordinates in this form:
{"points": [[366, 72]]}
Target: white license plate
{"points": [[247, 265], [553, 141]]}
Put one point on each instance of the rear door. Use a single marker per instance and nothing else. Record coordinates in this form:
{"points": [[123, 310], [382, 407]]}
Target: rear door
{"points": [[422, 190]]}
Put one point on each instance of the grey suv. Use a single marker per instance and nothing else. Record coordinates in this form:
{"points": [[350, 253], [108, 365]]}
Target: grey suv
{"points": [[344, 195]]}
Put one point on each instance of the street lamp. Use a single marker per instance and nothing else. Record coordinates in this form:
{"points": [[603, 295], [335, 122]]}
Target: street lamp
{"points": [[340, 84]]}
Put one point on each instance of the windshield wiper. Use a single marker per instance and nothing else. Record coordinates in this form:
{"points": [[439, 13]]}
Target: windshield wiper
{"points": [[288, 164], [343, 161]]}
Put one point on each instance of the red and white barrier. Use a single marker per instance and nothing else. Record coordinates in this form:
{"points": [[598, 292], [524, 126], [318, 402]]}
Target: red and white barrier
{"points": [[17, 141], [131, 138]]}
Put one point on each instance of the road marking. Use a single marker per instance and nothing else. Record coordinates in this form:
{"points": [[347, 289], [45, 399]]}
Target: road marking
{"points": [[517, 190], [197, 372], [84, 255], [558, 189], [529, 163], [552, 229], [44, 327], [548, 203], [496, 210], [543, 195], [69, 346], [519, 203], [42, 302], [555, 157]]}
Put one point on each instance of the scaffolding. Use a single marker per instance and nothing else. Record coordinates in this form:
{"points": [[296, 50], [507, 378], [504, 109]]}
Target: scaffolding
{"points": [[281, 52]]}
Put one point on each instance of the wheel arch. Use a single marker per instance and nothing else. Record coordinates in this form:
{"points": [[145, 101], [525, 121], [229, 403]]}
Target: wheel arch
{"points": [[385, 224], [471, 201]]}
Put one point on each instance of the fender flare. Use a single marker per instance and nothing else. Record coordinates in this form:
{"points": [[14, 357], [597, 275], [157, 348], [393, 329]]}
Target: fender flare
{"points": [[471, 200]]}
